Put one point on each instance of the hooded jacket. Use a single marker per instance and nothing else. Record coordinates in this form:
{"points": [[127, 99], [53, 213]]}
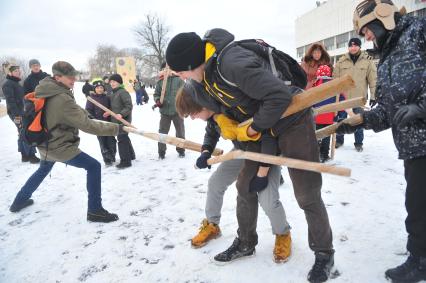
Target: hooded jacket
{"points": [[258, 93], [402, 80], [63, 118]]}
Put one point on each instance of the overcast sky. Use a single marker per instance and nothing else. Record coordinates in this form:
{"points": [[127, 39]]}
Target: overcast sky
{"points": [[70, 30]]}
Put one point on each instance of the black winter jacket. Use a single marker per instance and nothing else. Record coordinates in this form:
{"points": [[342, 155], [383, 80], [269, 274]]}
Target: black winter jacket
{"points": [[14, 94], [32, 81], [258, 94], [401, 80]]}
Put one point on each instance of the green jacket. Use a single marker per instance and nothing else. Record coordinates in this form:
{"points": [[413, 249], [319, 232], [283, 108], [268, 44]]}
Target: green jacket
{"points": [[121, 103], [363, 72], [63, 119], [173, 85]]}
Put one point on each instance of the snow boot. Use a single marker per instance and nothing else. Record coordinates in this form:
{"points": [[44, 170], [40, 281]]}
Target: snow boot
{"points": [[412, 270], [181, 155], [321, 269], [15, 207], [101, 215], [208, 231], [123, 164], [33, 159], [359, 148], [282, 249], [235, 251], [25, 158]]}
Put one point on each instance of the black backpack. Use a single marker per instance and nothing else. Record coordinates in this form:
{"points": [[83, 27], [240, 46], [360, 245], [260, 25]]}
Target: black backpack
{"points": [[283, 65], [34, 132]]}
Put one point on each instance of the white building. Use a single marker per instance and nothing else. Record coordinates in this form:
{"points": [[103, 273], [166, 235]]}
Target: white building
{"points": [[331, 24]]}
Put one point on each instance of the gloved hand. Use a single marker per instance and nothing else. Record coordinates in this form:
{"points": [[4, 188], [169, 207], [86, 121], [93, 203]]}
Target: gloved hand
{"points": [[345, 129], [201, 162], [258, 184], [158, 103], [18, 121], [121, 130], [408, 113], [242, 134], [228, 127], [372, 102]]}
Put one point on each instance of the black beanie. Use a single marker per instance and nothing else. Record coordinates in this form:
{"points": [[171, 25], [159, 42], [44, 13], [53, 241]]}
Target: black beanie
{"points": [[356, 41], [117, 78], [185, 52]]}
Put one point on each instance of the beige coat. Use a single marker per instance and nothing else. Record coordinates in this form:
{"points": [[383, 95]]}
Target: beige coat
{"points": [[363, 72], [63, 119]]}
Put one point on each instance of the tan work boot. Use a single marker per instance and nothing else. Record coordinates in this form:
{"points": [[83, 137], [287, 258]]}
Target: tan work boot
{"points": [[208, 231], [282, 249]]}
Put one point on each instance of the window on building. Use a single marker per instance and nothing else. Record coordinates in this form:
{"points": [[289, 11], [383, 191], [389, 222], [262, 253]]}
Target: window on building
{"points": [[421, 13], [329, 43], [342, 40], [300, 51]]}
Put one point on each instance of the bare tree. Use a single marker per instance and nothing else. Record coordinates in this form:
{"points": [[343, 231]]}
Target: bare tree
{"points": [[152, 36], [103, 62]]}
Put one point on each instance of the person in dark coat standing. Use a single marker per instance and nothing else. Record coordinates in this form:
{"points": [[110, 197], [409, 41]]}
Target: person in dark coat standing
{"points": [[121, 104], [108, 88], [87, 88], [35, 77], [401, 105], [108, 144], [14, 94]]}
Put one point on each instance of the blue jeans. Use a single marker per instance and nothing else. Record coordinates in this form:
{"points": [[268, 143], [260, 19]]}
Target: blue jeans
{"points": [[82, 160], [359, 133]]}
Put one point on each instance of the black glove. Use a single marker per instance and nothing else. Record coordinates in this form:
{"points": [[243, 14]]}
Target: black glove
{"points": [[201, 162], [372, 102], [408, 113], [345, 129], [121, 131], [258, 184]]}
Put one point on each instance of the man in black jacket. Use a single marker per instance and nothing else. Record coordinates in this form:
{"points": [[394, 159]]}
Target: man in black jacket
{"points": [[35, 77], [401, 105], [14, 94], [243, 82]]}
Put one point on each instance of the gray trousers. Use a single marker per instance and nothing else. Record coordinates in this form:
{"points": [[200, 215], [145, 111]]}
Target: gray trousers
{"points": [[165, 123], [269, 198]]}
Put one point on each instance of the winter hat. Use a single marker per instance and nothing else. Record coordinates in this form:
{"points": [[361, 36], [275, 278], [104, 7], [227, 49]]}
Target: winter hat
{"points": [[117, 78], [33, 62], [323, 71], [185, 52], [370, 10], [355, 41], [62, 68], [12, 67], [98, 82]]}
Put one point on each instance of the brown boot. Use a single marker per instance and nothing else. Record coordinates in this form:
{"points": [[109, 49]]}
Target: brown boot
{"points": [[282, 249], [208, 231]]}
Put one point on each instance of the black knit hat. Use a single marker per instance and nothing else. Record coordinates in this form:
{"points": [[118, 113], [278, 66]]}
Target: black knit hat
{"points": [[185, 52], [117, 78], [356, 41]]}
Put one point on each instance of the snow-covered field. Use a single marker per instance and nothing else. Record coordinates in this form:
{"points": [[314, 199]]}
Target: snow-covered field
{"points": [[161, 203]]}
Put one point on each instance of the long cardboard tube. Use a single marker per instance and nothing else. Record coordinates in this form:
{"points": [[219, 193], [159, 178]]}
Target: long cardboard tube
{"points": [[314, 95], [285, 161]]}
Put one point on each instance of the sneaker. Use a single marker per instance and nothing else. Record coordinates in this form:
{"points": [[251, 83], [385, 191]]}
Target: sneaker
{"points": [[358, 147], [15, 207], [235, 251], [101, 215], [208, 231], [282, 249], [321, 268], [412, 270], [33, 159], [338, 144], [123, 164], [181, 154]]}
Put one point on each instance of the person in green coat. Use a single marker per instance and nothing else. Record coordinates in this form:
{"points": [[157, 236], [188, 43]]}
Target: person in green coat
{"points": [[64, 117], [168, 110]]}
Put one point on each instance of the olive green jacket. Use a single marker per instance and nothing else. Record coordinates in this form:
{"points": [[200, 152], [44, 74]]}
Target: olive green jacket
{"points": [[173, 85], [64, 117]]}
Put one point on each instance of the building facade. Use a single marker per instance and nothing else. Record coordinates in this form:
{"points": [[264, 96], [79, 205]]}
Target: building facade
{"points": [[330, 23]]}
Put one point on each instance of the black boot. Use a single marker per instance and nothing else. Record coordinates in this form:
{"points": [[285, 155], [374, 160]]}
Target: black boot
{"points": [[124, 164], [33, 159], [25, 158], [321, 268], [101, 215], [15, 207], [412, 270], [236, 250], [324, 157]]}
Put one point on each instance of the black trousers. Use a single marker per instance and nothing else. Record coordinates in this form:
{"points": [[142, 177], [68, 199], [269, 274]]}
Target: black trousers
{"points": [[415, 203], [125, 148], [108, 148]]}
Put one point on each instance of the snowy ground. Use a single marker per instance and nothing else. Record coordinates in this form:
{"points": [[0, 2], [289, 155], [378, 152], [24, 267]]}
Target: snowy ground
{"points": [[161, 203]]}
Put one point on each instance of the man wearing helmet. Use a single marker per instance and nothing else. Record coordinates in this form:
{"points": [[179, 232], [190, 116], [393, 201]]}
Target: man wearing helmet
{"points": [[401, 95]]}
